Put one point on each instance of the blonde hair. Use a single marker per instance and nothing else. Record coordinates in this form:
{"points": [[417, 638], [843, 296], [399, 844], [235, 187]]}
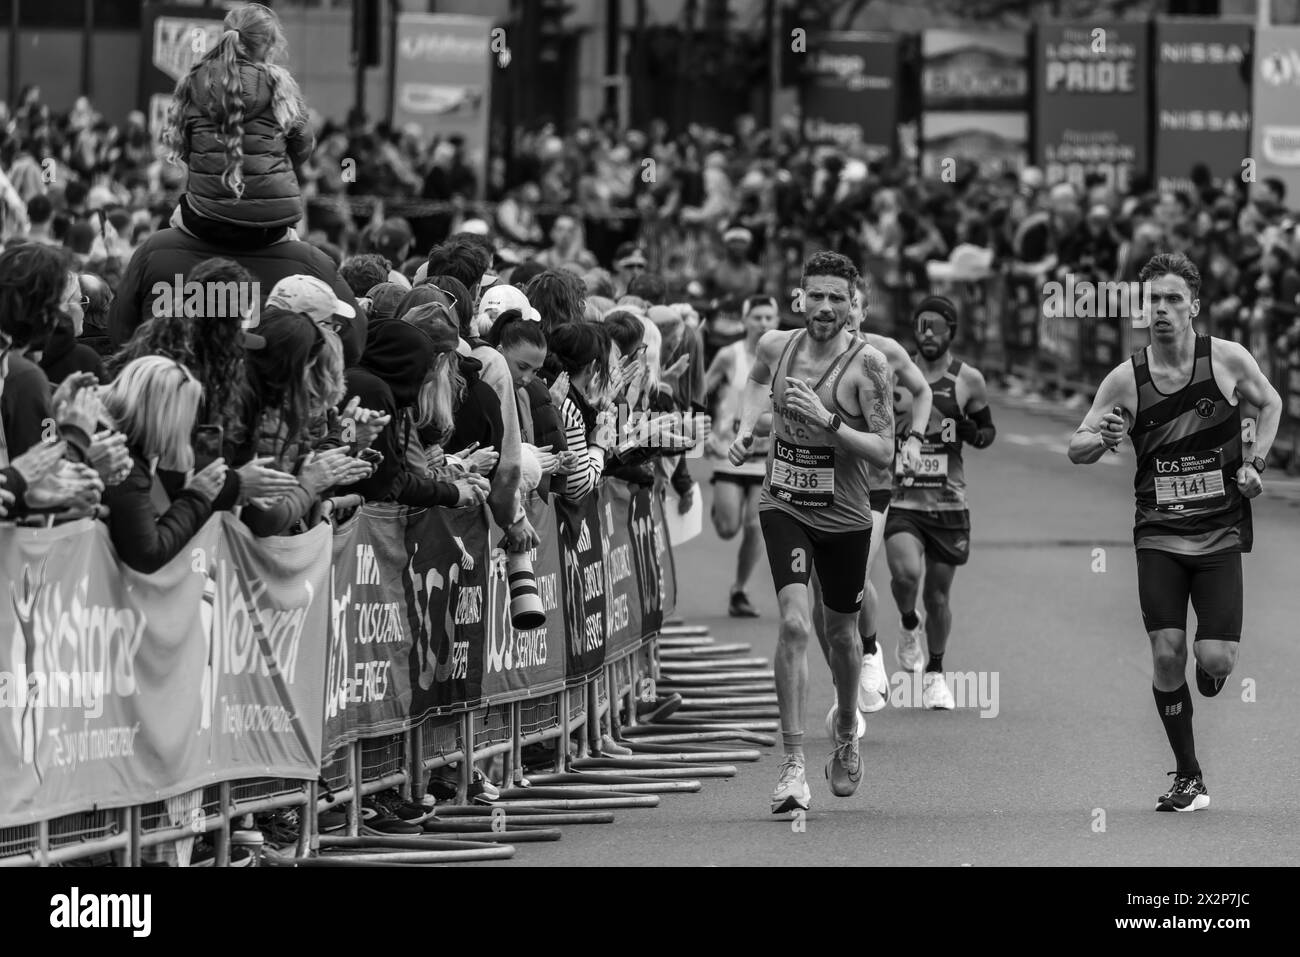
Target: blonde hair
{"points": [[440, 394], [253, 34], [326, 385], [154, 401]]}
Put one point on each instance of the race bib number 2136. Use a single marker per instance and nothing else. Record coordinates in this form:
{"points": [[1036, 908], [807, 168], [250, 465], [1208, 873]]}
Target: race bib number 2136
{"points": [[803, 475]]}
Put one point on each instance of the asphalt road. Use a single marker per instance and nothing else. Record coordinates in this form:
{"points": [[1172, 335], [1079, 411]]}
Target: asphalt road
{"points": [[1068, 769]]}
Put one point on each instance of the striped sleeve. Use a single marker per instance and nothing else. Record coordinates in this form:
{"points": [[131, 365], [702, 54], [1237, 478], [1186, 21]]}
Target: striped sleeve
{"points": [[584, 480]]}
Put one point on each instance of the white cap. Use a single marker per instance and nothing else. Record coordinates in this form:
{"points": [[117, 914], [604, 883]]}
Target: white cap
{"points": [[309, 295], [499, 298]]}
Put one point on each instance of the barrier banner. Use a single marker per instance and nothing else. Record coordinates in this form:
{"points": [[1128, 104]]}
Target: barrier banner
{"points": [[1091, 103], [1275, 128], [582, 587], [368, 689], [849, 92], [1202, 99], [526, 664], [444, 579], [653, 559], [623, 612], [99, 666]]}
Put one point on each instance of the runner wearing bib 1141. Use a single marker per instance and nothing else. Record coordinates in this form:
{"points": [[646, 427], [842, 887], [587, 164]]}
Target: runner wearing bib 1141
{"points": [[832, 418]]}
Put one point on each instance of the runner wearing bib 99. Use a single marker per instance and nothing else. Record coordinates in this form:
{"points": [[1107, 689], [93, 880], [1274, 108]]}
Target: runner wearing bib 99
{"points": [[873, 687], [736, 487], [1196, 473], [832, 418], [928, 529]]}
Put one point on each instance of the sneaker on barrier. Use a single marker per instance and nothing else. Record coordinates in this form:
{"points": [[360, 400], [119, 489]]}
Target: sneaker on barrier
{"points": [[791, 787], [333, 819], [392, 802], [860, 723], [375, 818], [443, 783], [483, 791], [873, 686]]}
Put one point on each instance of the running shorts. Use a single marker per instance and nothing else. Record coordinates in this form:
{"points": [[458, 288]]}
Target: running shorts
{"points": [[1167, 580], [840, 558], [944, 535], [880, 498]]}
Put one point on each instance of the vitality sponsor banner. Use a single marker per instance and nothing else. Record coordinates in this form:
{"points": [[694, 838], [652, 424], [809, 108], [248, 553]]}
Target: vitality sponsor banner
{"points": [[443, 79], [582, 587], [1275, 123], [99, 666], [1091, 105], [526, 664], [849, 88], [175, 37], [1202, 99]]}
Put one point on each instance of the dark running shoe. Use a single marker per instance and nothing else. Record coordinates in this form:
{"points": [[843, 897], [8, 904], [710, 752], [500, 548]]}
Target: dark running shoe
{"points": [[1206, 683], [1187, 794], [334, 819], [392, 802], [376, 819], [740, 606]]}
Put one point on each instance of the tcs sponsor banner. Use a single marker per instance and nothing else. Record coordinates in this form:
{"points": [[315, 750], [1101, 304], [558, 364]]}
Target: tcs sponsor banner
{"points": [[1275, 136], [583, 587], [849, 86], [118, 688], [1202, 99], [174, 38], [525, 664], [443, 80], [1091, 107]]}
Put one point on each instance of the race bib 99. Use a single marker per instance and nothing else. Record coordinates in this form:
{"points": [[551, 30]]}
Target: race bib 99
{"points": [[803, 475], [932, 472]]}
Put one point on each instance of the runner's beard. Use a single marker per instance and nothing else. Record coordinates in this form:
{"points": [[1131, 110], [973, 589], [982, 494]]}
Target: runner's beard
{"points": [[820, 331], [933, 348]]}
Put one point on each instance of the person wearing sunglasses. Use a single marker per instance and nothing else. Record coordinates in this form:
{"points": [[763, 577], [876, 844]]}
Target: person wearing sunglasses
{"points": [[62, 354]]}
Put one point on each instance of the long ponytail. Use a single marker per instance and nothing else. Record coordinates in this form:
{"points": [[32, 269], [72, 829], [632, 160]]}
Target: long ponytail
{"points": [[232, 112]]}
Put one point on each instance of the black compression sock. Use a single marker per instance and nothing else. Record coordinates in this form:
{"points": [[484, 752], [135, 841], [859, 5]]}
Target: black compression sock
{"points": [[935, 663], [869, 644], [1175, 709], [911, 619]]}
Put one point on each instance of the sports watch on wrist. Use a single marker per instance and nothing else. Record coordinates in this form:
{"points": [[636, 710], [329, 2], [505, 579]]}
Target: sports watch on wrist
{"points": [[1258, 464], [916, 435], [834, 424]]}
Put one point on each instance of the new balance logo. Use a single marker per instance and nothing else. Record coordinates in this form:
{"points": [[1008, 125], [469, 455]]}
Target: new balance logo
{"points": [[1173, 710]]}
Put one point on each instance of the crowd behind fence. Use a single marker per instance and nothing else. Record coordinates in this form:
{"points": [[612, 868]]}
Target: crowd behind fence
{"points": [[254, 676]]}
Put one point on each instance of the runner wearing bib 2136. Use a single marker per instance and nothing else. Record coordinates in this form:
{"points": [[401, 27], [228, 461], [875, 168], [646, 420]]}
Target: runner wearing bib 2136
{"points": [[832, 416]]}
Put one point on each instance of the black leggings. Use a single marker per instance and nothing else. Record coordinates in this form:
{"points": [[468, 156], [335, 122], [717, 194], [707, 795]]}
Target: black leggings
{"points": [[1213, 583]]}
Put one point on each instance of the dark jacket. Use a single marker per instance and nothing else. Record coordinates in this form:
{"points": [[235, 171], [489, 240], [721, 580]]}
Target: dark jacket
{"points": [[271, 194], [478, 416], [548, 429], [171, 252], [25, 407], [144, 539], [64, 354], [388, 380]]}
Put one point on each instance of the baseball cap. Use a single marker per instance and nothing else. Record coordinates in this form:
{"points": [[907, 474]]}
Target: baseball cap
{"points": [[384, 298], [501, 297], [309, 295]]}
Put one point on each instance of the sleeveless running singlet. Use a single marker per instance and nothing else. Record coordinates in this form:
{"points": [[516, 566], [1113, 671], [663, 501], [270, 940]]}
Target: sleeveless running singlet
{"points": [[1188, 452], [729, 409], [807, 477], [940, 483]]}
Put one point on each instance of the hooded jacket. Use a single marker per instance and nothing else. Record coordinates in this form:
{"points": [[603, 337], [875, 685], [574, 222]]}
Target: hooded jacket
{"points": [[271, 194], [64, 354], [387, 380]]}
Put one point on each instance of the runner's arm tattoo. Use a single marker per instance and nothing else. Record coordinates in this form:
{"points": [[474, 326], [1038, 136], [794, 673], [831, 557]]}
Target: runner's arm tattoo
{"points": [[880, 417]]}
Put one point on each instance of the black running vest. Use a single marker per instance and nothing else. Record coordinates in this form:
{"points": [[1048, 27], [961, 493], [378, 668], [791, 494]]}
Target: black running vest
{"points": [[1188, 452]]}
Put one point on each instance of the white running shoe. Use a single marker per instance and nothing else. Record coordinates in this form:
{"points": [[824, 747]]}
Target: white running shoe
{"points": [[935, 695], [911, 645], [861, 724], [792, 788], [873, 686]]}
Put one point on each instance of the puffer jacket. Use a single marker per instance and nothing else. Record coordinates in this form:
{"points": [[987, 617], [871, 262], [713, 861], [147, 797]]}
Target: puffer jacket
{"points": [[271, 155]]}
